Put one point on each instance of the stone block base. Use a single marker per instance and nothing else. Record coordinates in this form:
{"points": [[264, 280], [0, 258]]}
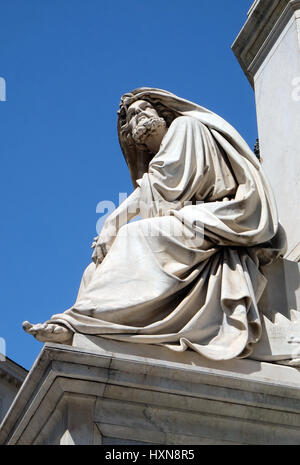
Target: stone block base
{"points": [[106, 392]]}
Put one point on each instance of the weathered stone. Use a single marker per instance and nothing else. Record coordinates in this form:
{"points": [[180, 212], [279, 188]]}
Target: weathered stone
{"points": [[107, 392], [12, 376]]}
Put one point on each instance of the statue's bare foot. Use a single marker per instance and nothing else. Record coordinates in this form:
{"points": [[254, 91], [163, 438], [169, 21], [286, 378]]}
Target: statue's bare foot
{"points": [[48, 332]]}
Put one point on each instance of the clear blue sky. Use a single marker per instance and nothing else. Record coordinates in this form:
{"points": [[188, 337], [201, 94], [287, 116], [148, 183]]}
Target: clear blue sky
{"points": [[66, 64]]}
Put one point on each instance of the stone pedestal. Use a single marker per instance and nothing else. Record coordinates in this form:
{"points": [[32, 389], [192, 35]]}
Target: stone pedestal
{"points": [[100, 391], [268, 49], [280, 313], [106, 392]]}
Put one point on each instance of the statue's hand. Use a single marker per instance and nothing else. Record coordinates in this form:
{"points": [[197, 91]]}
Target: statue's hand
{"points": [[103, 243], [94, 242], [99, 252]]}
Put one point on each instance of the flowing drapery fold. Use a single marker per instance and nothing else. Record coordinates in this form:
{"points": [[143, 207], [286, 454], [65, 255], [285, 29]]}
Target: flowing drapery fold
{"points": [[187, 275]]}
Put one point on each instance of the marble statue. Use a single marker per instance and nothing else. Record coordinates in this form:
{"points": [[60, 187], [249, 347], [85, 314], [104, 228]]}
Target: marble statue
{"points": [[187, 273]]}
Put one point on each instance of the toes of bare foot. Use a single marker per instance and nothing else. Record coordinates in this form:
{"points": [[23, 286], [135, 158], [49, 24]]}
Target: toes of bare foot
{"points": [[45, 332], [27, 327]]}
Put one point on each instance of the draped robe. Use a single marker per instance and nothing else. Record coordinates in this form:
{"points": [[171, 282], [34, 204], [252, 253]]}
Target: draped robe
{"points": [[187, 275]]}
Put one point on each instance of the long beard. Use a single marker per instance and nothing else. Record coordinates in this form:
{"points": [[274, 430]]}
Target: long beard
{"points": [[146, 128]]}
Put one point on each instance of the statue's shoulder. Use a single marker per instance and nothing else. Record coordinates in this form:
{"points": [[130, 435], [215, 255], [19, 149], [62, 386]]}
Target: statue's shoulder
{"points": [[185, 120]]}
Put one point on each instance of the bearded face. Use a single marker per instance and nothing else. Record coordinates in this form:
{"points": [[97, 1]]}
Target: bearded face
{"points": [[147, 128]]}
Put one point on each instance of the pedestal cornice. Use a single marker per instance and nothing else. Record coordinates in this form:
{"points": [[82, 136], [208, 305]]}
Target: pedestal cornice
{"points": [[147, 394], [266, 21]]}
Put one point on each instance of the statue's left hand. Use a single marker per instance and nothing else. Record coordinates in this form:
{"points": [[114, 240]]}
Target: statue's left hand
{"points": [[103, 242], [94, 242], [100, 251]]}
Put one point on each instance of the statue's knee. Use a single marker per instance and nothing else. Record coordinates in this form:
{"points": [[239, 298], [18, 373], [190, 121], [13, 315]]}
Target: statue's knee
{"points": [[129, 229], [89, 272]]}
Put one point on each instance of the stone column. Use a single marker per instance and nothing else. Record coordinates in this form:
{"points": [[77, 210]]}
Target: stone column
{"points": [[268, 50]]}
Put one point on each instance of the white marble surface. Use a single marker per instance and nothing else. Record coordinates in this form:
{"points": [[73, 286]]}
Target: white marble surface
{"points": [[268, 49], [186, 275], [127, 396], [252, 43], [278, 113], [279, 306]]}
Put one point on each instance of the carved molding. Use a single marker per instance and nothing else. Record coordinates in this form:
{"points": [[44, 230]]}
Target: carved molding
{"points": [[129, 397], [265, 23]]}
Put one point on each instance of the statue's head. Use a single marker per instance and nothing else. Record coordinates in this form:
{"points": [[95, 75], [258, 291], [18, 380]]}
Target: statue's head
{"points": [[143, 126], [146, 113]]}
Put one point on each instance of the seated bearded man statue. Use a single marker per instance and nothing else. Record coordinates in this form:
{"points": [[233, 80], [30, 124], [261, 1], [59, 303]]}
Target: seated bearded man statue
{"points": [[186, 275]]}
